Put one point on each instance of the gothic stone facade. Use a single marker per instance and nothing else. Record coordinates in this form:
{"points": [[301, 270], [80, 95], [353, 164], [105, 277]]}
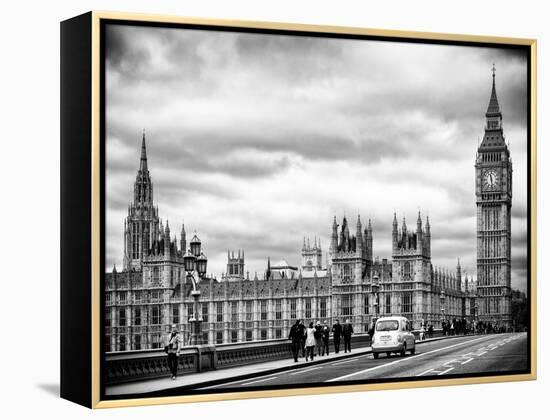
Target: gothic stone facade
{"points": [[152, 292]]}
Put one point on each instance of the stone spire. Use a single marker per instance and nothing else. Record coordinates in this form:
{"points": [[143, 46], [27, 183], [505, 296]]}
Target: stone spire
{"points": [[493, 108], [143, 159]]}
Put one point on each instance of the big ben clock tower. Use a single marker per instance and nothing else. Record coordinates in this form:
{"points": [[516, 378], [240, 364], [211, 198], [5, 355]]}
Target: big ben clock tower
{"points": [[494, 203]]}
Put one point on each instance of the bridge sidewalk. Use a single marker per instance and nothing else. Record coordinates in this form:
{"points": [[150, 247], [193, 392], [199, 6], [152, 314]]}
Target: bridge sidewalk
{"points": [[215, 377]]}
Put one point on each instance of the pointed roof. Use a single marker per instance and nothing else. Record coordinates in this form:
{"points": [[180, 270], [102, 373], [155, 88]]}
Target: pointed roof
{"points": [[494, 107], [143, 159]]}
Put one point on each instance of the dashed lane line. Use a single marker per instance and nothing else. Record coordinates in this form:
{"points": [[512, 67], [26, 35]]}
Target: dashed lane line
{"points": [[468, 357], [306, 370], [349, 375], [260, 380]]}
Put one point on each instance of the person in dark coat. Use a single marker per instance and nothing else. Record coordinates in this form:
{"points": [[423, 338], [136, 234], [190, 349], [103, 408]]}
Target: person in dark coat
{"points": [[337, 333], [296, 334], [347, 331], [318, 338], [326, 335], [303, 341]]}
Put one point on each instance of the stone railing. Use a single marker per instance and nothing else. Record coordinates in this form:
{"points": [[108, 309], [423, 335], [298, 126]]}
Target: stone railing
{"points": [[138, 365]]}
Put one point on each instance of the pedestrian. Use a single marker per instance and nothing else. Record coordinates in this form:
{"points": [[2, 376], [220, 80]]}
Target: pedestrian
{"points": [[347, 331], [337, 333], [430, 330], [422, 333], [326, 336], [303, 339], [452, 327], [172, 349], [295, 335], [318, 338], [310, 342]]}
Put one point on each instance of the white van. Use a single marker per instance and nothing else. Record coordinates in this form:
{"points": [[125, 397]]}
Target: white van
{"points": [[392, 334]]}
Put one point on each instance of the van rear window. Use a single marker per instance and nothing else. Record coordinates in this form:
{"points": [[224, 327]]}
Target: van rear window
{"points": [[387, 326]]}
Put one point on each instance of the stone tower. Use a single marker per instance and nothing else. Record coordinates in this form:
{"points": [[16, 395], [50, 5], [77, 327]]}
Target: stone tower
{"points": [[493, 169], [411, 251], [312, 256], [235, 264], [141, 226]]}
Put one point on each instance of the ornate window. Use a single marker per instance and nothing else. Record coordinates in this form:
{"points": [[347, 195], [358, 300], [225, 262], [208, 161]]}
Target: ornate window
{"points": [[347, 305], [366, 304], [137, 342], [219, 311], [175, 314], [155, 315], [122, 317], [308, 308], [346, 276], [292, 308], [406, 302], [156, 274], [278, 309], [388, 303], [323, 307], [122, 343], [406, 270], [263, 310], [108, 318], [248, 310], [204, 308], [234, 311], [137, 316]]}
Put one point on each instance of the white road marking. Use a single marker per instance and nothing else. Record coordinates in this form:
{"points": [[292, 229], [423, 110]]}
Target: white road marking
{"points": [[305, 370], [349, 375], [260, 380], [467, 361], [445, 371], [347, 361]]}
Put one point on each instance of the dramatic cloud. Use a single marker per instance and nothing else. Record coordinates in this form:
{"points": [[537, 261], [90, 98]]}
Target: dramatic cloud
{"points": [[255, 141]]}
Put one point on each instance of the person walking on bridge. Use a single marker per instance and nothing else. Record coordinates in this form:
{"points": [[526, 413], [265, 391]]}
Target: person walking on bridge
{"points": [[326, 336], [296, 334], [337, 334], [172, 348], [347, 331], [310, 342]]}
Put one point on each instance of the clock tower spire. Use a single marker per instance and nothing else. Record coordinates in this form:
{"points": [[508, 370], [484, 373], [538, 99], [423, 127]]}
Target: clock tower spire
{"points": [[493, 170]]}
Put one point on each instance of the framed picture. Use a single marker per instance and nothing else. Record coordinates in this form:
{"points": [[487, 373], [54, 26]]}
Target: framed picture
{"points": [[254, 209]]}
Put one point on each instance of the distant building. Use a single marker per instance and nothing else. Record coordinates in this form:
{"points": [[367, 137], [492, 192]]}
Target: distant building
{"points": [[151, 292]]}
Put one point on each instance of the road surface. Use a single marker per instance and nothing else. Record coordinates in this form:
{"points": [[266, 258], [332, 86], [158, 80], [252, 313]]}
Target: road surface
{"points": [[460, 355]]}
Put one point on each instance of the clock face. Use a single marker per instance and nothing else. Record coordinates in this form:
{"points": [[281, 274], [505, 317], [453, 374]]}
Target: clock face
{"points": [[490, 179]]}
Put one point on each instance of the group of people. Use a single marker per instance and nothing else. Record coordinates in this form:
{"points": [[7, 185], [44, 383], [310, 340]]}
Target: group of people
{"points": [[313, 340]]}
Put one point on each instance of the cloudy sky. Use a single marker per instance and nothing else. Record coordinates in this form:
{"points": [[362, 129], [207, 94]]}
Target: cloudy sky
{"points": [[255, 141]]}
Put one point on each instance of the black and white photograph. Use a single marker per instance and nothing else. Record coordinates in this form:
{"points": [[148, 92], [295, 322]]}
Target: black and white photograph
{"points": [[292, 210]]}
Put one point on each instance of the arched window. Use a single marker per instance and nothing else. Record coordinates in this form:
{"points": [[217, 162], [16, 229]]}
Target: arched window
{"points": [[406, 271], [347, 274]]}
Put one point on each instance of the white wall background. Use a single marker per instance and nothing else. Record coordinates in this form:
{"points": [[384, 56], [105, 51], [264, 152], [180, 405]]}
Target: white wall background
{"points": [[29, 170]]}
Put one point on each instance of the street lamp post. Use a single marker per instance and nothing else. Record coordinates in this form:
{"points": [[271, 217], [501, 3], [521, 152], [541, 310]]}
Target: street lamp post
{"points": [[442, 301], [194, 262], [375, 287]]}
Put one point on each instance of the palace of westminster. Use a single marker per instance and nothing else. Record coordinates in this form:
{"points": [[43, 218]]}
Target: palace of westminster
{"points": [[153, 290]]}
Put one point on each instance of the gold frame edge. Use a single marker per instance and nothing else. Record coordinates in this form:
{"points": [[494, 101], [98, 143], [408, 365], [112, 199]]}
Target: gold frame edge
{"points": [[96, 402]]}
